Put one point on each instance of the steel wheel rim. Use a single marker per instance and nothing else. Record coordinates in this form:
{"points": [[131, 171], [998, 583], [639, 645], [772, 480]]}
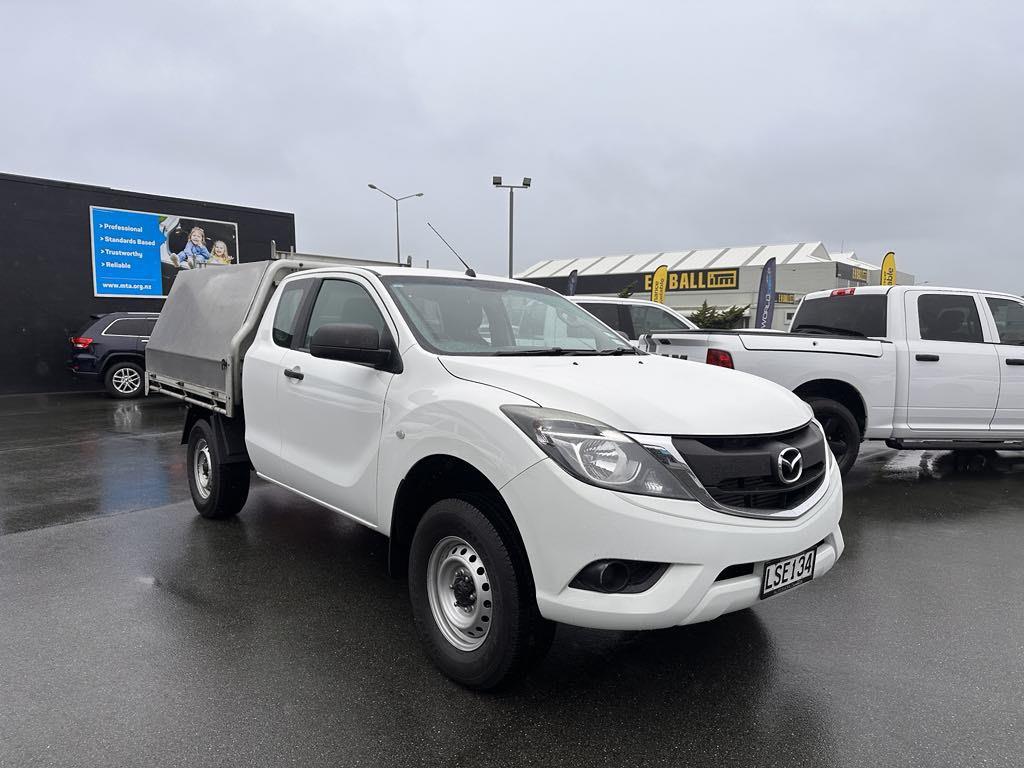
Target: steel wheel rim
{"points": [[202, 467], [462, 612], [126, 380]]}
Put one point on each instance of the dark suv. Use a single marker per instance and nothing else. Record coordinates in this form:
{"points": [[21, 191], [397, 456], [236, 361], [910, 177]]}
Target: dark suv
{"points": [[113, 347]]}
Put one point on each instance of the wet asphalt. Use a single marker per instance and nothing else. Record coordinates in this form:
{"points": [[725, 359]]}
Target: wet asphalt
{"points": [[134, 633]]}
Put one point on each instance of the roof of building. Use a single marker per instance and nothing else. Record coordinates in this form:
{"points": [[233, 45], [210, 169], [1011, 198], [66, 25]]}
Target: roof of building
{"points": [[703, 258], [850, 258]]}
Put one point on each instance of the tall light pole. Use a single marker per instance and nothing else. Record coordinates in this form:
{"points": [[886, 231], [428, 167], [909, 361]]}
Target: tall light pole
{"points": [[496, 181], [398, 231]]}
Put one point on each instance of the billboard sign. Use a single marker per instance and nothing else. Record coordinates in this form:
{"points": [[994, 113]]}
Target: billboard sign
{"points": [[615, 283], [853, 274], [137, 254]]}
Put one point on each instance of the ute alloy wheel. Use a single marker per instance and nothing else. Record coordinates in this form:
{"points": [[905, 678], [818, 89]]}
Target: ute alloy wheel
{"points": [[124, 380], [472, 594]]}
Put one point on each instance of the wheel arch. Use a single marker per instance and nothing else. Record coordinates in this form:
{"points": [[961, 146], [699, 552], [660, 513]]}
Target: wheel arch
{"points": [[113, 358], [841, 391], [436, 477], [228, 432]]}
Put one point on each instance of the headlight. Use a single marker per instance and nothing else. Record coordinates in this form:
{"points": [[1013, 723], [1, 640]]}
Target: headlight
{"points": [[595, 453]]}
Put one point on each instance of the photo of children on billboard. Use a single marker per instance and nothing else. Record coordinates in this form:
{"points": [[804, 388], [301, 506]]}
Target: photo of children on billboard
{"points": [[195, 244]]}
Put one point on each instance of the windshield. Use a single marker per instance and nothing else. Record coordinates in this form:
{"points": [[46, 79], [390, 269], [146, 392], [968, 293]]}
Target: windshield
{"points": [[846, 315], [453, 316]]}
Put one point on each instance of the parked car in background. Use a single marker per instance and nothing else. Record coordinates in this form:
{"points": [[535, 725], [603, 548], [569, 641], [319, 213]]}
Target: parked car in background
{"points": [[634, 317], [112, 349], [916, 366]]}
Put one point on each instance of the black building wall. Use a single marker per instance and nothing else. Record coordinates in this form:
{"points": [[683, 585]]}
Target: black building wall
{"points": [[46, 276]]}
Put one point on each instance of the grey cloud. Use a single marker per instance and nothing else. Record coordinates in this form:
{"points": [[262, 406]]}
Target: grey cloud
{"points": [[646, 126]]}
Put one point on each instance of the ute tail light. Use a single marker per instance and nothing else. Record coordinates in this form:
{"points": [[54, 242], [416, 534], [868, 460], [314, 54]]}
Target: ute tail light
{"points": [[80, 342], [843, 292], [719, 357]]}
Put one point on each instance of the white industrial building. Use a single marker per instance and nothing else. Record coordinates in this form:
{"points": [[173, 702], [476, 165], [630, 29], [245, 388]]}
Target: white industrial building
{"points": [[723, 277]]}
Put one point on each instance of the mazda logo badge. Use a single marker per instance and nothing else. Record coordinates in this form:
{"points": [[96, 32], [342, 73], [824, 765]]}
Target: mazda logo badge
{"points": [[790, 465]]}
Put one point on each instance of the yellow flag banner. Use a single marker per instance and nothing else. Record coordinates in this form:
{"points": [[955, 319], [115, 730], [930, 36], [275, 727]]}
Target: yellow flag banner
{"points": [[889, 269], [658, 283]]}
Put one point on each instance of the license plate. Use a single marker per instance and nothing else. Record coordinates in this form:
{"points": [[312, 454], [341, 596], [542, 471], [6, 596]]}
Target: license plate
{"points": [[787, 572]]}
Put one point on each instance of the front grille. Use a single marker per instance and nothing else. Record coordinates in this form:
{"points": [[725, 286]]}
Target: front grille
{"points": [[741, 472]]}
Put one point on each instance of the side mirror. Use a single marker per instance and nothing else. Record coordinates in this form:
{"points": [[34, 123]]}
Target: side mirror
{"points": [[354, 343]]}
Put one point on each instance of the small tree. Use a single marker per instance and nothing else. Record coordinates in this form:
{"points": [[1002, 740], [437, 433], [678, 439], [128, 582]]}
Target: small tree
{"points": [[629, 290], [718, 317]]}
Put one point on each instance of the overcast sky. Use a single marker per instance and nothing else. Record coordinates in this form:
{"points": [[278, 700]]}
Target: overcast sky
{"points": [[645, 126]]}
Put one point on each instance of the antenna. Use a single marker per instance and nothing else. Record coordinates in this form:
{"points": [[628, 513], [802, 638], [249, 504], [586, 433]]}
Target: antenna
{"points": [[469, 269]]}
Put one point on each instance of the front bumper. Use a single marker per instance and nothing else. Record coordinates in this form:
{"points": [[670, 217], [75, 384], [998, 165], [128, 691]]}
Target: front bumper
{"points": [[567, 524]]}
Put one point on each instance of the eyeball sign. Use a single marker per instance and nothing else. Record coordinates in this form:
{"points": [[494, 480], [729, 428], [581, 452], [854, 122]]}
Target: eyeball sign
{"points": [[138, 254]]}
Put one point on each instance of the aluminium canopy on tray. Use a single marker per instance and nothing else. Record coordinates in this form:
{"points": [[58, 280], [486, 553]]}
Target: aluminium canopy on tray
{"points": [[193, 339]]}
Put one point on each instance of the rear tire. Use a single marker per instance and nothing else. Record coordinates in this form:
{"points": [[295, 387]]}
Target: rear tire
{"points": [[218, 490], [473, 596], [842, 434], [124, 380]]}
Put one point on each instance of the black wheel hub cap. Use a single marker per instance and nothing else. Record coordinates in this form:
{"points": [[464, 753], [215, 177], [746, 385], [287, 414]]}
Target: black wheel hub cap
{"points": [[462, 587]]}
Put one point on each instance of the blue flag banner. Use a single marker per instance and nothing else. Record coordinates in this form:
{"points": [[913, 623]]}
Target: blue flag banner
{"points": [[766, 296], [573, 277]]}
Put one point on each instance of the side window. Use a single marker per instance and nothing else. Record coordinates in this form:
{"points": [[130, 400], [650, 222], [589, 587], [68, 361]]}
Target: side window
{"points": [[1009, 317], [606, 313], [130, 326], [649, 319], [342, 301], [949, 317], [288, 312]]}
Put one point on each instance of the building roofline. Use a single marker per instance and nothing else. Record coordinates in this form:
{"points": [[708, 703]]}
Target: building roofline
{"points": [[111, 190]]}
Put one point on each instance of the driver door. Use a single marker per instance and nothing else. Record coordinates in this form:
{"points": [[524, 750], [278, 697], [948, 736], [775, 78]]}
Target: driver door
{"points": [[954, 373], [331, 411]]}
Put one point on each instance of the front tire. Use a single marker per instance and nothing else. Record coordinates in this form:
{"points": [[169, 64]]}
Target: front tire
{"points": [[473, 597], [218, 490], [124, 380], [842, 432]]}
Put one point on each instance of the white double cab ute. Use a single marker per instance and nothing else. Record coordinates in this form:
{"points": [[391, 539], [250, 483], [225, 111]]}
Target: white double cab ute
{"points": [[633, 317], [526, 473], [915, 366]]}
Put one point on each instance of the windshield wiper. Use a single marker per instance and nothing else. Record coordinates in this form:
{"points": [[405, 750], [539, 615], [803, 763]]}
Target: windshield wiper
{"points": [[534, 351], [552, 351], [825, 329]]}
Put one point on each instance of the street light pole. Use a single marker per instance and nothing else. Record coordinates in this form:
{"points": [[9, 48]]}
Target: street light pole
{"points": [[496, 181], [398, 231], [511, 218]]}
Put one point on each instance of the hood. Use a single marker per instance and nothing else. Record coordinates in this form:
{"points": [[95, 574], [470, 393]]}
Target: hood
{"points": [[650, 393]]}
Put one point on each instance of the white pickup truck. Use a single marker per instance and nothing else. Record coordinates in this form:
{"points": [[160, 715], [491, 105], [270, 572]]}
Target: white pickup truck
{"points": [[916, 366], [525, 473]]}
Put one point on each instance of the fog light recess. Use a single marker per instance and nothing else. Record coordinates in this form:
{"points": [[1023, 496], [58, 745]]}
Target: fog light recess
{"points": [[618, 576]]}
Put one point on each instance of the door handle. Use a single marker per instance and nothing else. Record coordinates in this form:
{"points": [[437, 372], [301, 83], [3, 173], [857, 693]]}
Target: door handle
{"points": [[927, 358], [294, 373], [1014, 361]]}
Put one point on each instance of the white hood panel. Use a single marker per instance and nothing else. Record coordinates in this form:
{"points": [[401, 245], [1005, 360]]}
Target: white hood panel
{"points": [[650, 393]]}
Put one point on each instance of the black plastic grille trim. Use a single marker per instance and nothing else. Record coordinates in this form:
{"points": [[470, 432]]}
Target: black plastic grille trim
{"points": [[739, 472]]}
